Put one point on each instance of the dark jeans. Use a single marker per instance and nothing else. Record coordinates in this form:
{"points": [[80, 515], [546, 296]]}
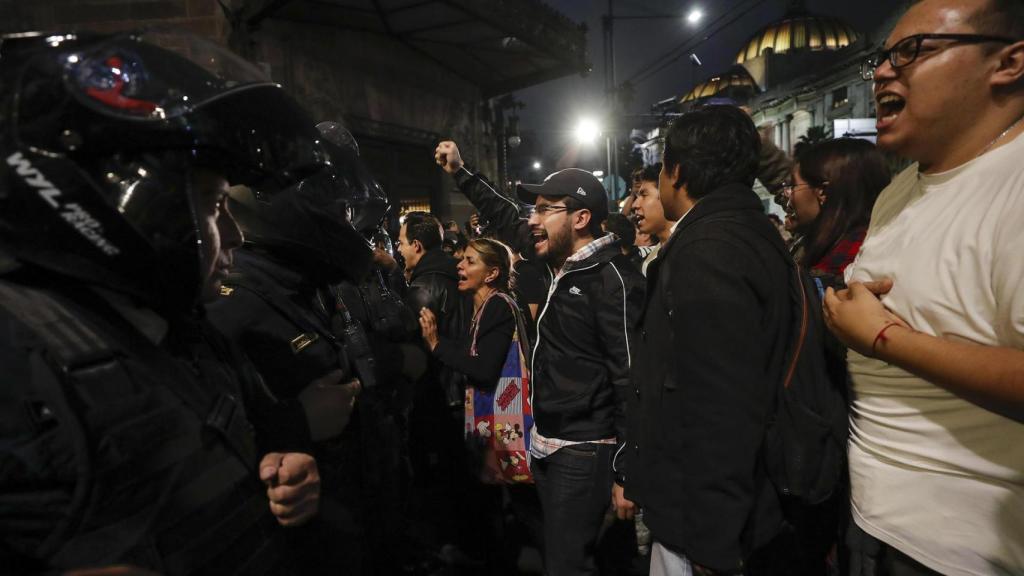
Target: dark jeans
{"points": [[575, 489], [869, 556]]}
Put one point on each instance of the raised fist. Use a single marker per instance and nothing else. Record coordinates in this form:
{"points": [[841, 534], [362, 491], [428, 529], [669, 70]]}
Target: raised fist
{"points": [[447, 156]]}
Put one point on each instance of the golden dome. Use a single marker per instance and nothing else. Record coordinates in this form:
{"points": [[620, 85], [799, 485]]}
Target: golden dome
{"points": [[734, 80], [799, 31]]}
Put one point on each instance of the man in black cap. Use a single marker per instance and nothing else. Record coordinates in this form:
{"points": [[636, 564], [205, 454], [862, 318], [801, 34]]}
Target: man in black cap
{"points": [[581, 355]]}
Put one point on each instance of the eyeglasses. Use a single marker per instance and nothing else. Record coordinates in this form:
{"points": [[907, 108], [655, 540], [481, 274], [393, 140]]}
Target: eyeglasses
{"points": [[906, 51], [546, 209], [788, 187]]}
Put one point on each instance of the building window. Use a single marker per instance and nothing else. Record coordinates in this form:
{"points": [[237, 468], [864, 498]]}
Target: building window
{"points": [[840, 97]]}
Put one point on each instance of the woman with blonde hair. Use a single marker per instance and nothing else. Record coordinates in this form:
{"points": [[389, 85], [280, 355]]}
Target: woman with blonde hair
{"points": [[498, 416]]}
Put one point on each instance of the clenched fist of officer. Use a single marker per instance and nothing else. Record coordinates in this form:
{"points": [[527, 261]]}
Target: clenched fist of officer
{"points": [[293, 486], [328, 404]]}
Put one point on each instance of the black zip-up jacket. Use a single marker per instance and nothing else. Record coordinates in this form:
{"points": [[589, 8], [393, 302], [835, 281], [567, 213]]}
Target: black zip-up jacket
{"points": [[585, 337], [714, 335], [434, 285]]}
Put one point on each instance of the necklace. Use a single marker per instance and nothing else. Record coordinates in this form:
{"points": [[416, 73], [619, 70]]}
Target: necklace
{"points": [[1001, 134]]}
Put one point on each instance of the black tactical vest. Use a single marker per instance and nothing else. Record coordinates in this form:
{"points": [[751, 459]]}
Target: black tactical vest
{"points": [[126, 454]]}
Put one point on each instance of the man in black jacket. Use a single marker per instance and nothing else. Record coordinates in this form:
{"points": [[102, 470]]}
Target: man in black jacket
{"points": [[581, 356], [436, 419], [714, 331], [433, 281]]}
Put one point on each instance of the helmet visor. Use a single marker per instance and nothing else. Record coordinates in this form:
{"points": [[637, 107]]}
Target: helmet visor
{"points": [[155, 75]]}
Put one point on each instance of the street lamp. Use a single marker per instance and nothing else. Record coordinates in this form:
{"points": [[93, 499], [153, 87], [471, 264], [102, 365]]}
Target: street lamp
{"points": [[586, 131], [694, 16], [536, 165]]}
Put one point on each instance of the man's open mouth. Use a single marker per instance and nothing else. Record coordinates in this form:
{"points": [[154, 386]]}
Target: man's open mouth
{"points": [[889, 106], [539, 237]]}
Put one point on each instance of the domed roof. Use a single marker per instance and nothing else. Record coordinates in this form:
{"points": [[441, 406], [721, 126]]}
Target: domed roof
{"points": [[799, 30], [736, 80]]}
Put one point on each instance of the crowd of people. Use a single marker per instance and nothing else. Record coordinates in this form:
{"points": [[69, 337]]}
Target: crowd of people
{"points": [[216, 363]]}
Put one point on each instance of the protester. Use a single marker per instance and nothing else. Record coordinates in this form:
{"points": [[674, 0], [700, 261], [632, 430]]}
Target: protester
{"points": [[625, 231], [433, 283], [497, 419], [831, 191], [934, 315], [581, 356], [649, 213], [484, 271], [436, 420], [714, 334]]}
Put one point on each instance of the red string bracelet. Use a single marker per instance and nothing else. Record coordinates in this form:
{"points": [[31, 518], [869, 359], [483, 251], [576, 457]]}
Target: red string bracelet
{"points": [[881, 336]]}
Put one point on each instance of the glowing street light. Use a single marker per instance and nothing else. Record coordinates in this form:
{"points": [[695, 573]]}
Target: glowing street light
{"points": [[536, 165], [587, 131], [694, 16]]}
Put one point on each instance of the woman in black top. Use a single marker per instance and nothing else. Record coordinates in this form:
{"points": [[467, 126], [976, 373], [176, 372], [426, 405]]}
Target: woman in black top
{"points": [[483, 271]]}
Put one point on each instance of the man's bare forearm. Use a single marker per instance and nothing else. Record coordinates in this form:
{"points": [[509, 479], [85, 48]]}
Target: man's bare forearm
{"points": [[990, 376]]}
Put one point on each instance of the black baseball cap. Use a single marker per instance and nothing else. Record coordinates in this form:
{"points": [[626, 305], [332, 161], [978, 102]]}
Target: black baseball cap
{"points": [[572, 182]]}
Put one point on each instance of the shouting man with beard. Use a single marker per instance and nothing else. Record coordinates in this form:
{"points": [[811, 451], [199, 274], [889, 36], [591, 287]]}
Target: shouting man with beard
{"points": [[581, 355]]}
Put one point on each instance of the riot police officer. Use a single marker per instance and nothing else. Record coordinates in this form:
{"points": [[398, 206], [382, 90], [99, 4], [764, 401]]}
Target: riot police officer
{"points": [[282, 305], [123, 434], [376, 303]]}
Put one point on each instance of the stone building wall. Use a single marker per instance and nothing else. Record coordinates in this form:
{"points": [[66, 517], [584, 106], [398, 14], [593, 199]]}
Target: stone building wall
{"points": [[396, 101]]}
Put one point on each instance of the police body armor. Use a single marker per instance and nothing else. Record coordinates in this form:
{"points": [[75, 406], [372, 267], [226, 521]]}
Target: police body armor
{"points": [[126, 454], [326, 322], [284, 323]]}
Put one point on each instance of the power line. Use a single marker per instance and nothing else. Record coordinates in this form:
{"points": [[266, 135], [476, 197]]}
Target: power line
{"points": [[641, 73], [678, 51]]}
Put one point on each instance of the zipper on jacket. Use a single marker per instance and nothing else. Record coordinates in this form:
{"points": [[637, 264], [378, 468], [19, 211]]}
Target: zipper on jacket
{"points": [[551, 291]]}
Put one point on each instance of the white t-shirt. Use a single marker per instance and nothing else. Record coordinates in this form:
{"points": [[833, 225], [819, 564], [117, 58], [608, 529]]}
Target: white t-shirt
{"points": [[932, 474]]}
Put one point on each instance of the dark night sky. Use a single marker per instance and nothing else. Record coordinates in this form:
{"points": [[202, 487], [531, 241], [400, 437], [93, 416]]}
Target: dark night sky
{"points": [[553, 108]]}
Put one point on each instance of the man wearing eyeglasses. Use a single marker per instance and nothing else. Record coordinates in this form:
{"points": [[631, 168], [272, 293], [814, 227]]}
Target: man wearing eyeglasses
{"points": [[581, 355], [934, 316]]}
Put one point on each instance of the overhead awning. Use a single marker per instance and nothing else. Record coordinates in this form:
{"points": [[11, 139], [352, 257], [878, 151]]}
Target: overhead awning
{"points": [[498, 45]]}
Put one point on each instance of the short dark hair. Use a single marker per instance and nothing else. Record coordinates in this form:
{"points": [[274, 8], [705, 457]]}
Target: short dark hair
{"points": [[1000, 18], [853, 173], [424, 227], [712, 146], [621, 226], [574, 205], [651, 173]]}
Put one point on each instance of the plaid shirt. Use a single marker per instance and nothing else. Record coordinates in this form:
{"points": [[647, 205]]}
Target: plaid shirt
{"points": [[540, 446], [842, 254], [586, 252]]}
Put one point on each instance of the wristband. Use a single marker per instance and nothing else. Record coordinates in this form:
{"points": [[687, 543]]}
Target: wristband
{"points": [[881, 336]]}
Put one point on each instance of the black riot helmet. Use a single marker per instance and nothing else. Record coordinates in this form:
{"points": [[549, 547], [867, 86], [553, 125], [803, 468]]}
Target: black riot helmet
{"points": [[307, 226], [311, 226], [100, 140], [369, 203]]}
